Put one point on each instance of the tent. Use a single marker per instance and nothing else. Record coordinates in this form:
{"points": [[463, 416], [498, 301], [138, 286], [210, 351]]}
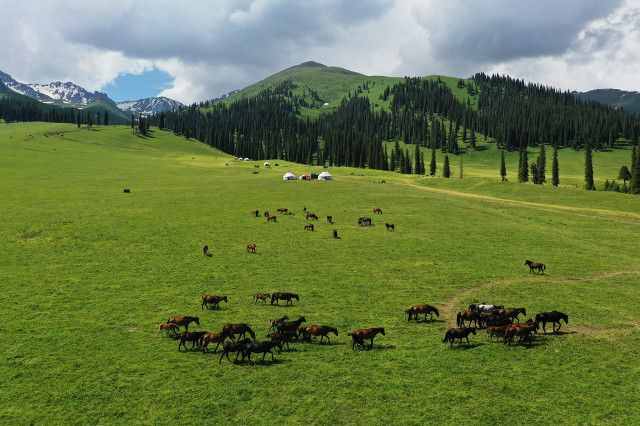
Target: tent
{"points": [[289, 176], [325, 176], [267, 164]]}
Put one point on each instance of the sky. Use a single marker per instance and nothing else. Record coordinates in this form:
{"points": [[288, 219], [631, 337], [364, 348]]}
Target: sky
{"points": [[197, 50]]}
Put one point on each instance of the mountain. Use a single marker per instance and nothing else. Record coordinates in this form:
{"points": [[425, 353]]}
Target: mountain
{"points": [[630, 101], [149, 106], [23, 89]]}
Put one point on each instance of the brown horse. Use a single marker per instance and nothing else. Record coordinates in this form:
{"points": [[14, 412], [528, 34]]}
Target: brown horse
{"points": [[535, 266], [335, 234], [497, 331], [309, 227], [266, 213], [276, 323], [358, 336], [458, 333], [513, 313], [251, 248], [205, 251], [390, 226], [281, 295], [553, 317], [415, 310], [170, 329], [210, 338], [262, 297], [330, 220], [183, 321], [195, 337], [263, 348], [523, 332], [323, 331], [377, 210], [471, 316], [234, 347], [290, 327], [213, 300], [273, 219], [239, 330], [311, 216], [256, 213], [283, 210]]}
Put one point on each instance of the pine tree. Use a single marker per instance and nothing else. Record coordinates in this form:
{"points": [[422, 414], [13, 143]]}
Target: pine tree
{"points": [[446, 170], [555, 171], [523, 172], [634, 155], [635, 179], [460, 167], [541, 166], [416, 160], [588, 169], [503, 167], [473, 139], [624, 174], [433, 165], [78, 119]]}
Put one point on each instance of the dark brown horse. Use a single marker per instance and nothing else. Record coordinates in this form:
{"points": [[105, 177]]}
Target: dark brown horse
{"points": [[358, 336], [251, 248], [273, 219], [234, 347], [309, 227], [256, 213], [413, 311], [290, 327], [335, 234], [263, 348], [523, 332], [467, 316], [276, 323], [183, 321], [209, 338], [213, 300], [513, 313], [311, 216], [281, 295], [535, 266], [330, 220], [497, 330], [365, 221], [205, 251], [283, 210], [240, 330], [315, 330], [458, 333], [261, 297], [553, 317], [377, 210], [390, 226], [195, 337]]}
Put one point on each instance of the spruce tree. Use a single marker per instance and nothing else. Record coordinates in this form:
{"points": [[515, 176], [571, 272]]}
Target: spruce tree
{"points": [[624, 174], [446, 170], [635, 179], [555, 171], [460, 167], [634, 155], [503, 167], [523, 172], [416, 160], [541, 165], [473, 139], [588, 169], [433, 165]]}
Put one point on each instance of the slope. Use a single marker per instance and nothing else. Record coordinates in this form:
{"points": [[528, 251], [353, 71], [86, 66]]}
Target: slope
{"points": [[630, 101]]}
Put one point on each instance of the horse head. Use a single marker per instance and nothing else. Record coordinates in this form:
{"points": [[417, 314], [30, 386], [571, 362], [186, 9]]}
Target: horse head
{"points": [[381, 330], [225, 299], [196, 320]]}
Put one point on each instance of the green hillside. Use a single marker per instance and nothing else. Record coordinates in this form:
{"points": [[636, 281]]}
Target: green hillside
{"points": [[89, 272], [630, 101]]}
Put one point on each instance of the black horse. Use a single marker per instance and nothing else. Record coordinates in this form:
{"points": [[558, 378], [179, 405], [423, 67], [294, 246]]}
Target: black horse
{"points": [[535, 266], [553, 317], [264, 348], [288, 297], [238, 348], [458, 333]]}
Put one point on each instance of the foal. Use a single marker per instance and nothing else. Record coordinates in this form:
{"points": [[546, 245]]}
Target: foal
{"points": [[213, 300]]}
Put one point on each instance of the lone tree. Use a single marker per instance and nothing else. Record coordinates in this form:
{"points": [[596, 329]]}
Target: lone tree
{"points": [[635, 179], [624, 174], [523, 171], [541, 166], [555, 171], [503, 167], [432, 165], [446, 169], [588, 169]]}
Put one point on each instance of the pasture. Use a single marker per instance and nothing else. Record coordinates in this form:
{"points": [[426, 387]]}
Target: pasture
{"points": [[89, 272]]}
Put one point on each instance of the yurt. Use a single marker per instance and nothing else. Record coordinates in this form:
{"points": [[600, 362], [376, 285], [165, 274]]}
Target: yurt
{"points": [[267, 164], [325, 176], [289, 176]]}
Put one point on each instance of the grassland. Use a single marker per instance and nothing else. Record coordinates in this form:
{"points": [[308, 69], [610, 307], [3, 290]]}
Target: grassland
{"points": [[88, 273]]}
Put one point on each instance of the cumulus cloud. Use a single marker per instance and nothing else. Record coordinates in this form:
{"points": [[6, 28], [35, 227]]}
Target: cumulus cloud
{"points": [[211, 48]]}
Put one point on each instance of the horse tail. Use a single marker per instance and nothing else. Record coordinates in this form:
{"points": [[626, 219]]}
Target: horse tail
{"points": [[458, 319]]}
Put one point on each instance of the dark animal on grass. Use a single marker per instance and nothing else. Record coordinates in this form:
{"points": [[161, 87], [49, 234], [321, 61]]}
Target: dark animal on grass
{"points": [[335, 234], [390, 226], [273, 219], [359, 336], [288, 297], [513, 313], [427, 310], [330, 220], [497, 331], [261, 297], [209, 338], [266, 213], [257, 213], [311, 216], [535, 266], [309, 227], [471, 317], [553, 317], [523, 332], [264, 348], [231, 347], [251, 248], [213, 300], [205, 251], [240, 330], [126, 191], [276, 323], [283, 210], [365, 221], [377, 210], [170, 329], [315, 330], [291, 327], [458, 333], [183, 321], [195, 337], [494, 318], [484, 307], [285, 339]]}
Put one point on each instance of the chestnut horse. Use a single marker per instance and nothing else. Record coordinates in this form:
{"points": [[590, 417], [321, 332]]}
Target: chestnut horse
{"points": [[195, 337], [183, 321], [458, 333], [377, 210], [323, 331], [239, 330], [358, 336], [211, 337], [251, 248], [170, 329], [262, 297], [416, 310], [213, 300], [467, 315]]}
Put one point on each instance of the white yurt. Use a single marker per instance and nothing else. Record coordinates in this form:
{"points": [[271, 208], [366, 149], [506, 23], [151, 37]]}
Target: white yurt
{"points": [[325, 176], [289, 176], [267, 164]]}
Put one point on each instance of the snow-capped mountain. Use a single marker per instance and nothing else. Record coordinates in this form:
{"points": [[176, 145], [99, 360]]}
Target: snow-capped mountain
{"points": [[23, 89], [149, 106]]}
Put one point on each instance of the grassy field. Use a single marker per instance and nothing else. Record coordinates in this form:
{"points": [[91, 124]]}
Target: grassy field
{"points": [[88, 273]]}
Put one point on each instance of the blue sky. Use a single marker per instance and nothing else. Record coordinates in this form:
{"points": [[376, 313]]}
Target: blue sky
{"points": [[137, 86]]}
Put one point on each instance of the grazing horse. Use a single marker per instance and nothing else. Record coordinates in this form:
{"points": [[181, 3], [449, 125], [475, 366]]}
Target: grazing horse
{"points": [[276, 323], [467, 315], [251, 248], [535, 266], [210, 338], [390, 226], [170, 329], [365, 221], [239, 330], [283, 210], [234, 347], [323, 331], [213, 300], [330, 220], [273, 219], [513, 313], [335, 234], [290, 327], [522, 331], [377, 210], [484, 307], [183, 321], [497, 331], [311, 216], [262, 297], [458, 333], [309, 227], [289, 297], [195, 337], [415, 310], [553, 317], [358, 336], [263, 348], [266, 213], [205, 251]]}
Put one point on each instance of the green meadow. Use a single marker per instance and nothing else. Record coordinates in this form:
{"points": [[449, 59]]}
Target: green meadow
{"points": [[89, 272]]}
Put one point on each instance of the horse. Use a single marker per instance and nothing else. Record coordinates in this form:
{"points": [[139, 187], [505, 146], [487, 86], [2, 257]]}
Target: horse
{"points": [[195, 337], [283, 210], [170, 329], [251, 248], [467, 315], [290, 327], [211, 337], [484, 307], [183, 321], [213, 300], [390, 226], [309, 227], [415, 310], [522, 331], [273, 219], [311, 216], [497, 331], [126, 191], [358, 336], [365, 221], [205, 251], [239, 330], [335, 234], [282, 338], [234, 347], [263, 348], [323, 331], [262, 297], [458, 333], [377, 210], [276, 297], [553, 317], [266, 213], [256, 213], [274, 324], [513, 313], [494, 318], [535, 266], [330, 220]]}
